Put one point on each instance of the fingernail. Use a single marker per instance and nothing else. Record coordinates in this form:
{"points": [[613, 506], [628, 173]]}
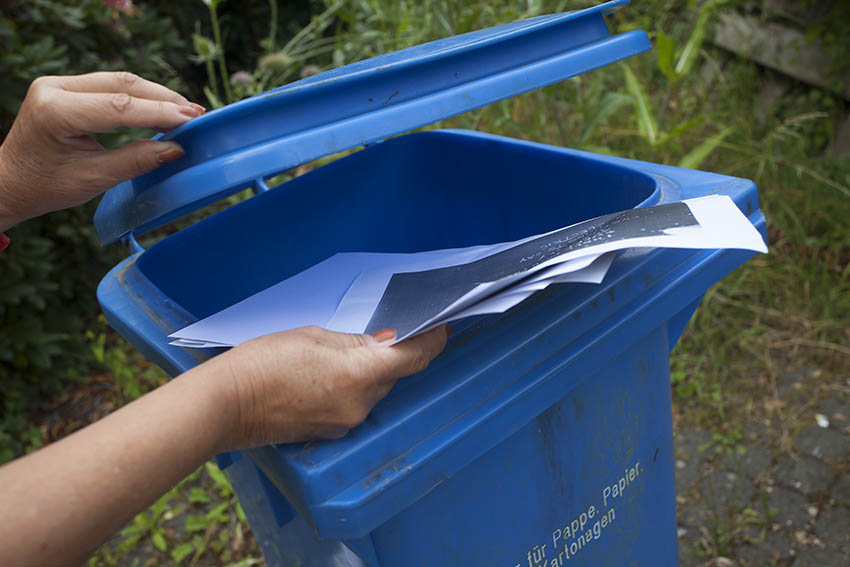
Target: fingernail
{"points": [[384, 335], [448, 330], [198, 107], [173, 152], [190, 111]]}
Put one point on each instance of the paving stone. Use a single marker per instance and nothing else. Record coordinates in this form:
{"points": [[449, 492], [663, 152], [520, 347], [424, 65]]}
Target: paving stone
{"points": [[838, 411], [688, 442], [726, 489], [756, 432], [689, 458], [841, 490], [790, 381], [821, 558], [764, 549], [822, 443], [806, 475], [834, 409], [688, 556], [833, 527], [788, 509], [687, 473], [692, 517], [751, 464]]}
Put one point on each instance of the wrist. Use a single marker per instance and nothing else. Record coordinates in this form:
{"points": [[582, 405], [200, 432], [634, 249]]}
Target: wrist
{"points": [[8, 218], [210, 387]]}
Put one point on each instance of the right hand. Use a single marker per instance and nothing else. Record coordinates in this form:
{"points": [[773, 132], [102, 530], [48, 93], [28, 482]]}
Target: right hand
{"points": [[309, 383]]}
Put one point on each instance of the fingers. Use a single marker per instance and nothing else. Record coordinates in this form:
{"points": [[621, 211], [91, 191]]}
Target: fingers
{"points": [[408, 357], [120, 82], [132, 160], [83, 113], [413, 355]]}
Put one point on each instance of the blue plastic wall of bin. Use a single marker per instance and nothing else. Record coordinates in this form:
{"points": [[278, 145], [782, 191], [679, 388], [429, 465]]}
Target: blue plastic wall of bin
{"points": [[525, 419]]}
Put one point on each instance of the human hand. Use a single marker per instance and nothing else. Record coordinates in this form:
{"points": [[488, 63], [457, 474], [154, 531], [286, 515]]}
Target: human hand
{"points": [[49, 162], [308, 383]]}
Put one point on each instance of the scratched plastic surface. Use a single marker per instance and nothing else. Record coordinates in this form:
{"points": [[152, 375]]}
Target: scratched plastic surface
{"points": [[540, 435]]}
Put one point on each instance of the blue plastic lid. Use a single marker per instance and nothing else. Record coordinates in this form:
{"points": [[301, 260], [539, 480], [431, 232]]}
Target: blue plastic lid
{"points": [[242, 144]]}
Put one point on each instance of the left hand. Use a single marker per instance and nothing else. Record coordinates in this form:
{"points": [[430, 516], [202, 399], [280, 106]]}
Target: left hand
{"points": [[49, 162]]}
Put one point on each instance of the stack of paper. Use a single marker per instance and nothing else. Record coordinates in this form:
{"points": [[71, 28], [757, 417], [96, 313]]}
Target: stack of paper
{"points": [[411, 293]]}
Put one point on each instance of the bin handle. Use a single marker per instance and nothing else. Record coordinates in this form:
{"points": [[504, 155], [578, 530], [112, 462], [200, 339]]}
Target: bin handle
{"points": [[258, 186], [130, 242]]}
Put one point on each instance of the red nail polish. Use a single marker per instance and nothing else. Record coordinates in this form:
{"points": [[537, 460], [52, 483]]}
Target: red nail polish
{"points": [[384, 335], [189, 111], [171, 154]]}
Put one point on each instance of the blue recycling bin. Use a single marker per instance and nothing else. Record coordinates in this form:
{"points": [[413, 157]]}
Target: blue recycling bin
{"points": [[541, 437]]}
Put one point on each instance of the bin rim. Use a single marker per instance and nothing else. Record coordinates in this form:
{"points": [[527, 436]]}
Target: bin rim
{"points": [[244, 143]]}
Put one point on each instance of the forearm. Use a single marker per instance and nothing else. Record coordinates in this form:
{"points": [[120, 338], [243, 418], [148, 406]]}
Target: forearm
{"points": [[62, 502]]}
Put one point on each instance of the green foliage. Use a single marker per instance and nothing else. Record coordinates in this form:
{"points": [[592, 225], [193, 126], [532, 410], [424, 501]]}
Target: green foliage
{"points": [[194, 520], [664, 48], [149, 524], [61, 36], [690, 52], [274, 67], [646, 121], [729, 443], [47, 298], [699, 154]]}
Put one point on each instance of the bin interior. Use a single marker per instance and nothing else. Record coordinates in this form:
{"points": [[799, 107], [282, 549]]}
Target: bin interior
{"points": [[423, 191]]}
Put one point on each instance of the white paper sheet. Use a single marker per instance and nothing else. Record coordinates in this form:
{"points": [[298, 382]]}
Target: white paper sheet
{"points": [[307, 298], [363, 292]]}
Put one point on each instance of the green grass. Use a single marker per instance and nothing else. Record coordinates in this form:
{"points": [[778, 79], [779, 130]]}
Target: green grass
{"points": [[198, 522]]}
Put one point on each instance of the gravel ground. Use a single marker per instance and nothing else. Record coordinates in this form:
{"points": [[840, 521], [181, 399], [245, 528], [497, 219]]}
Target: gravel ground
{"points": [[777, 494]]}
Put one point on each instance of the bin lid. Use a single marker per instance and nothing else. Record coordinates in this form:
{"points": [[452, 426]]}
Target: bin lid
{"points": [[240, 145]]}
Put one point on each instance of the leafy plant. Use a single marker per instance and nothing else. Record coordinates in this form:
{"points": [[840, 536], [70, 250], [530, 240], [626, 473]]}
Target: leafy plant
{"points": [[647, 123], [219, 51], [729, 443], [149, 524], [699, 154]]}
